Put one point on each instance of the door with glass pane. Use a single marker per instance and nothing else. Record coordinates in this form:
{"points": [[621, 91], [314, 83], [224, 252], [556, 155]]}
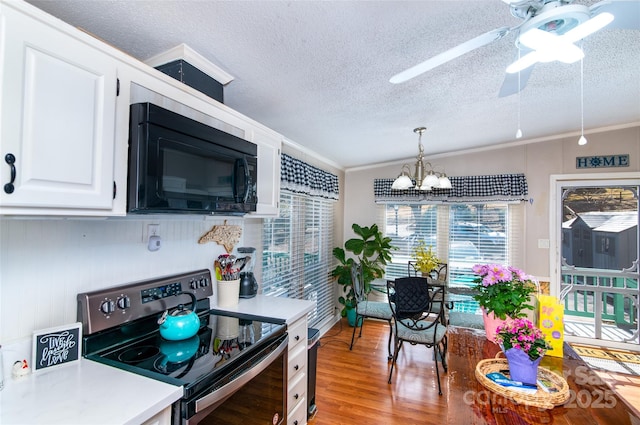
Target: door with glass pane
{"points": [[599, 261]]}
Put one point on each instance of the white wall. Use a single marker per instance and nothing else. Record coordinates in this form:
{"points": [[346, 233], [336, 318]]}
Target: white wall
{"points": [[45, 263], [537, 160]]}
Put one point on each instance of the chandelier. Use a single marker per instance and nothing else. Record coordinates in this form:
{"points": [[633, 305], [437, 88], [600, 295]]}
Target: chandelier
{"points": [[425, 178]]}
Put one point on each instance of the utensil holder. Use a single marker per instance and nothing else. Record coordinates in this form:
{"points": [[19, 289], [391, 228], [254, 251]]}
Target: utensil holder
{"points": [[228, 293]]}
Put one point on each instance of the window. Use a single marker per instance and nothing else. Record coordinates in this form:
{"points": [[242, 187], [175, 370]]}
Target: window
{"points": [[477, 234], [296, 256], [462, 235]]}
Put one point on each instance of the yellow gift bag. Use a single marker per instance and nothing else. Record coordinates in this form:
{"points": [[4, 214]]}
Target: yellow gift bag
{"points": [[551, 316]]}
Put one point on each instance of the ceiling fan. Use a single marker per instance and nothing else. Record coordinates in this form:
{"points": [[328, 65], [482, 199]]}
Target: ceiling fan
{"points": [[548, 32]]}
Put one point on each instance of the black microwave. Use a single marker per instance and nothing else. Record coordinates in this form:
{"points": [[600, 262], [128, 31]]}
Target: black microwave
{"points": [[179, 165]]}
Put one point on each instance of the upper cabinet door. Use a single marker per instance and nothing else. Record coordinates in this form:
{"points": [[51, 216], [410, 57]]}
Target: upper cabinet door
{"points": [[58, 119], [269, 145]]}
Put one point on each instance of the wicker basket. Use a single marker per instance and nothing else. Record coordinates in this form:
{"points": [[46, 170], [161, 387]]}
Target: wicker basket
{"points": [[541, 398]]}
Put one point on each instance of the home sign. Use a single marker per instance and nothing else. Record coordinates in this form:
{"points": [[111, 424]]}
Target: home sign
{"points": [[56, 346], [602, 161]]}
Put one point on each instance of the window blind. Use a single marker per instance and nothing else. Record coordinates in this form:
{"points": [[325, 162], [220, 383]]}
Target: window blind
{"points": [[462, 235], [296, 257], [408, 225], [477, 235]]}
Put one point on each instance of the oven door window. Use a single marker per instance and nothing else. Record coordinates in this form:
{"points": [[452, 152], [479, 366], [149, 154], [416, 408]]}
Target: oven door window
{"points": [[260, 400]]}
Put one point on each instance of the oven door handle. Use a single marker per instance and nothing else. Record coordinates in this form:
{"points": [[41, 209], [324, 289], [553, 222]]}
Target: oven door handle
{"points": [[233, 386]]}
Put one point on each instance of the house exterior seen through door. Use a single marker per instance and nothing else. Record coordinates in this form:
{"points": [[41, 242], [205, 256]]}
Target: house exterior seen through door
{"points": [[598, 256]]}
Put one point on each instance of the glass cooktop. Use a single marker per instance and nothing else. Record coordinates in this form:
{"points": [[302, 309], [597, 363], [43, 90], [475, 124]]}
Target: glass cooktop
{"points": [[222, 341]]}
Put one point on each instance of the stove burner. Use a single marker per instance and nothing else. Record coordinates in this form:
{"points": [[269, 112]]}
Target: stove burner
{"points": [[164, 366], [138, 354]]}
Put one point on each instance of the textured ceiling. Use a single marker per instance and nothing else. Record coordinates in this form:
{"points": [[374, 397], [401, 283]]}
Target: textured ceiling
{"points": [[318, 71]]}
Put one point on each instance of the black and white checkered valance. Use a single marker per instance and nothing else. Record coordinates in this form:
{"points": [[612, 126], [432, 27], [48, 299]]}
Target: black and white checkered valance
{"points": [[300, 177], [468, 189]]}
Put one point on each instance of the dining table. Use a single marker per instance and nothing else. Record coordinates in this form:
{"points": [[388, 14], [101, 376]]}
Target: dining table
{"points": [[590, 400]]}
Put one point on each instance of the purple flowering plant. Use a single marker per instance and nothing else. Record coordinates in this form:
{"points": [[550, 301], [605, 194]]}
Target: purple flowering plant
{"points": [[521, 334], [503, 290]]}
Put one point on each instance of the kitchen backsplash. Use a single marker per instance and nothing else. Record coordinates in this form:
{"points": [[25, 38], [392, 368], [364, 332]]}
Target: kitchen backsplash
{"points": [[44, 263]]}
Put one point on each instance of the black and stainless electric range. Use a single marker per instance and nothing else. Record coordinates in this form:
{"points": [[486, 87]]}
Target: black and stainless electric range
{"points": [[233, 371]]}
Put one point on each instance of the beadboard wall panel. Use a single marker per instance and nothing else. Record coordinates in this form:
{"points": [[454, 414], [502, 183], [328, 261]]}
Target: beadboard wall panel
{"points": [[45, 263]]}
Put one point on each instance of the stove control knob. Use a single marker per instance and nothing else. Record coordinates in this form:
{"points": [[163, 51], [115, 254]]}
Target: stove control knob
{"points": [[108, 307], [203, 282], [193, 284], [124, 302]]}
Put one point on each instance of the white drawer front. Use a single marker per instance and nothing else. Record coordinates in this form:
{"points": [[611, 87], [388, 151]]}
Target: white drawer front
{"points": [[298, 416], [297, 360], [297, 390], [297, 333]]}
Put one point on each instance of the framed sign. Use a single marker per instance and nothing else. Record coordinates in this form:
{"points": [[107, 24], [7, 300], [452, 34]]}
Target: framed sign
{"points": [[56, 346]]}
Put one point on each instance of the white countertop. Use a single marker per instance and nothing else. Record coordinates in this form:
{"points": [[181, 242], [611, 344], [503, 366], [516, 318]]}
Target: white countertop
{"points": [[84, 392], [288, 309], [90, 393]]}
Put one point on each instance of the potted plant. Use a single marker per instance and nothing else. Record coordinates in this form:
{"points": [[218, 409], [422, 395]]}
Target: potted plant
{"points": [[524, 346], [372, 250], [502, 292], [425, 259]]}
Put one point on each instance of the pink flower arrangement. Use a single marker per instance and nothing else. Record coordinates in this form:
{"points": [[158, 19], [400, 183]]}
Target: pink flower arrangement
{"points": [[503, 290], [521, 334]]}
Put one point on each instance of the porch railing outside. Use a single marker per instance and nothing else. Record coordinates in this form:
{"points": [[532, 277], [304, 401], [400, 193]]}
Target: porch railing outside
{"points": [[609, 297]]}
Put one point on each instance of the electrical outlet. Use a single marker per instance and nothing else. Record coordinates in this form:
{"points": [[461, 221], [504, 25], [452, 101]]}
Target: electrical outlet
{"points": [[153, 230]]}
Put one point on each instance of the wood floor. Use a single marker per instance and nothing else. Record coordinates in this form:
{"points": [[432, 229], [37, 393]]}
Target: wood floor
{"points": [[352, 386]]}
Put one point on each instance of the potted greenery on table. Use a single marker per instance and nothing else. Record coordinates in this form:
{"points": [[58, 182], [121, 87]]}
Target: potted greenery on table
{"points": [[372, 250]]}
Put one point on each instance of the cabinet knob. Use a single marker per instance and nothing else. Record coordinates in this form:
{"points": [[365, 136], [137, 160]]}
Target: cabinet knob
{"points": [[297, 338], [296, 396], [296, 367]]}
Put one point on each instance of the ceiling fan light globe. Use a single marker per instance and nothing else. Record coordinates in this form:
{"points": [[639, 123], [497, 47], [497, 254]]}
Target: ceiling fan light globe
{"points": [[523, 63], [587, 28]]}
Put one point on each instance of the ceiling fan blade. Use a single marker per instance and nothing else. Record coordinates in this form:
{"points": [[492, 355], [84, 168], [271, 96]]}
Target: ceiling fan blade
{"points": [[512, 84], [626, 12], [450, 54]]}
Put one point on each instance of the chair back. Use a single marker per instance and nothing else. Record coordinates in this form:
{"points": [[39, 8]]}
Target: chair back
{"points": [[414, 299], [357, 282]]}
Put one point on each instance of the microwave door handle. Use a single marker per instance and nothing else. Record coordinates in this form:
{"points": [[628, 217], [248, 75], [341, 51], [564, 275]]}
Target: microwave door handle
{"points": [[242, 162]]}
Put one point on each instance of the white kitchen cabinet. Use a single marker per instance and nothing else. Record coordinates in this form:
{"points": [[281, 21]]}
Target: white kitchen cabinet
{"points": [[58, 118], [269, 148], [297, 372], [161, 418]]}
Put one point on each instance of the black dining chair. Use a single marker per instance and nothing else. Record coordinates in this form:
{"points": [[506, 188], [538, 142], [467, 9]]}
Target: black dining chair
{"points": [[366, 308], [418, 319]]}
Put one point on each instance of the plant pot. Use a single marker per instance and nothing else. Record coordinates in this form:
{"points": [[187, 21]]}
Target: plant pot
{"points": [[521, 367], [491, 323], [351, 317]]}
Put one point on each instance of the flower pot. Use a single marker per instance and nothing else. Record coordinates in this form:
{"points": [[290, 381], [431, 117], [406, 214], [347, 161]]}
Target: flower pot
{"points": [[351, 317], [521, 367], [491, 323]]}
